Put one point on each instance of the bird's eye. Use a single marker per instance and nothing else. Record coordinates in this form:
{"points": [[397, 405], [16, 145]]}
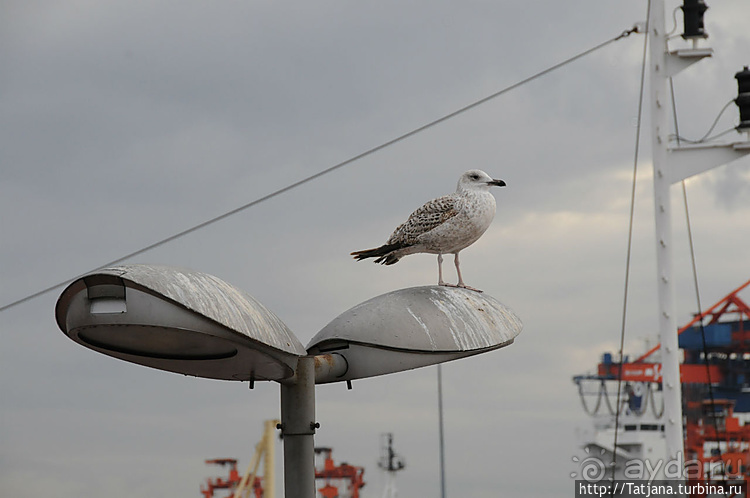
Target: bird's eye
{"points": [[474, 176]]}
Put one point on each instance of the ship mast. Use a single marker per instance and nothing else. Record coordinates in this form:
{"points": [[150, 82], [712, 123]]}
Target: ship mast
{"points": [[657, 41], [672, 165]]}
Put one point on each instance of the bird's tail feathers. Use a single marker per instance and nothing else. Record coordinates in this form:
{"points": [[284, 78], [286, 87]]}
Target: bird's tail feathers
{"points": [[384, 254]]}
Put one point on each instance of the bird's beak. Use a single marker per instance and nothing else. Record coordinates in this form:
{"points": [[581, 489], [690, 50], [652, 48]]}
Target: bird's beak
{"points": [[497, 183]]}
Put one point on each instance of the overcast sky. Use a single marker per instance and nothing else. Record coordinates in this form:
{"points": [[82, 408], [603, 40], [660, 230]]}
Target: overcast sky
{"points": [[122, 123]]}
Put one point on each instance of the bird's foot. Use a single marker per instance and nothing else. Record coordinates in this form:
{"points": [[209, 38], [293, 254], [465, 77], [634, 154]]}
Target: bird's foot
{"points": [[460, 286]]}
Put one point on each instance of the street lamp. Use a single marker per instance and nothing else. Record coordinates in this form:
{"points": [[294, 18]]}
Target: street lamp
{"points": [[178, 320], [192, 323]]}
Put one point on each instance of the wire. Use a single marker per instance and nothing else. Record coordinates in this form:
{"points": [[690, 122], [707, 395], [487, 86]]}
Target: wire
{"points": [[705, 137], [679, 138], [366, 153], [706, 358], [674, 21], [600, 394], [630, 236], [716, 120], [695, 270]]}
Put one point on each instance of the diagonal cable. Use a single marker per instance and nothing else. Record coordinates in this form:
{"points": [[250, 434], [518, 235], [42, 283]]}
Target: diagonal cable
{"points": [[630, 239], [706, 357], [335, 167]]}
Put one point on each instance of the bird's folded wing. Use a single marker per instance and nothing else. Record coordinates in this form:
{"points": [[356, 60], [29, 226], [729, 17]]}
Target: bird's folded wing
{"points": [[434, 213]]}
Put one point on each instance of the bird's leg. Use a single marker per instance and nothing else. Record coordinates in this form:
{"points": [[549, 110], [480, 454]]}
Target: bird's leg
{"points": [[440, 270], [460, 278]]}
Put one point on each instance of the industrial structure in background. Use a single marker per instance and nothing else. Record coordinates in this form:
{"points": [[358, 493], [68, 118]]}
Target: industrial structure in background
{"points": [[251, 484], [231, 482], [690, 407], [715, 378], [391, 463], [338, 481]]}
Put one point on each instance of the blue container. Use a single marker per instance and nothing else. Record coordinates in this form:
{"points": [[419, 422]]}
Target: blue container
{"points": [[717, 335]]}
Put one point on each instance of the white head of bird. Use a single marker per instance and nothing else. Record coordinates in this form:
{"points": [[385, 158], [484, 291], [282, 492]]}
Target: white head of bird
{"points": [[476, 179]]}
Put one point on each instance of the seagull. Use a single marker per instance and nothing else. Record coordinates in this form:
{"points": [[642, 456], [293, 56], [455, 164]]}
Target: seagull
{"points": [[445, 225]]}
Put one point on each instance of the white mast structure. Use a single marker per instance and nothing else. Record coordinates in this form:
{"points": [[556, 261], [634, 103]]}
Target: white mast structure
{"points": [[391, 463], [672, 165]]}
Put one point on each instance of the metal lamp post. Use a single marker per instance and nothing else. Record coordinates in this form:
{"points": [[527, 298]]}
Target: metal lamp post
{"points": [[196, 324]]}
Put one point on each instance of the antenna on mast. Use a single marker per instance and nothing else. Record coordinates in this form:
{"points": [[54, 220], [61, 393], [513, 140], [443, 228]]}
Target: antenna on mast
{"points": [[391, 463]]}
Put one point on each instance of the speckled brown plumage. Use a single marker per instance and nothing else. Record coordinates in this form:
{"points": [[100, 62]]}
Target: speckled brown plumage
{"points": [[434, 213]]}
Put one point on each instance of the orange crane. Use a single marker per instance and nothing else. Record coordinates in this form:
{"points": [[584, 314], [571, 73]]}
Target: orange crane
{"points": [[251, 485], [715, 377], [343, 472], [230, 482], [261, 487]]}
